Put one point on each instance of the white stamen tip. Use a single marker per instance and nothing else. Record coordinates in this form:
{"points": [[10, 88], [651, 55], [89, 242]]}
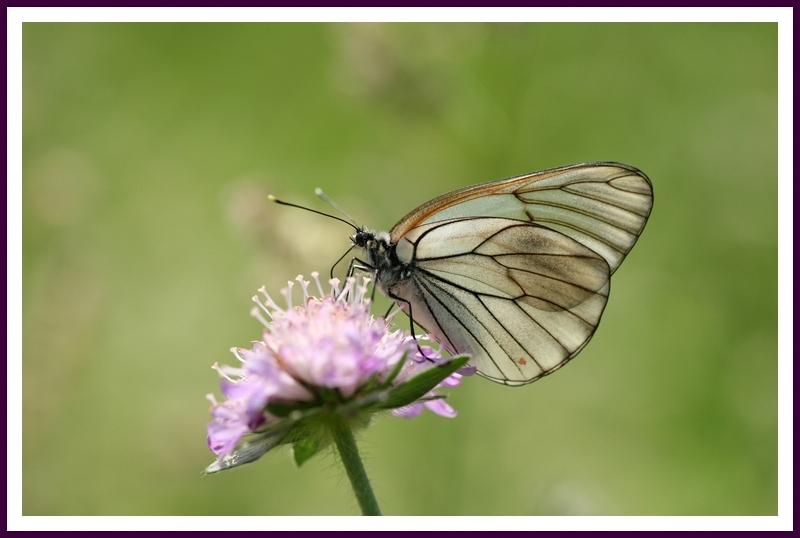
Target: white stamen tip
{"points": [[334, 282], [304, 284], [315, 276], [262, 307], [287, 294]]}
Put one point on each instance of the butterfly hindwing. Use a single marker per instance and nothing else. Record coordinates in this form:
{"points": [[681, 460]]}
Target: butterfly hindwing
{"points": [[520, 298]]}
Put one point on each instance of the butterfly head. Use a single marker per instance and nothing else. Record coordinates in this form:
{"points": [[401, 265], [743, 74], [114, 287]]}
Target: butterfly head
{"points": [[371, 241], [380, 255]]}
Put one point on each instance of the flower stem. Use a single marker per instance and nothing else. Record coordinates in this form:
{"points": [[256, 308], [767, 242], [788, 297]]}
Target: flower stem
{"points": [[348, 451]]}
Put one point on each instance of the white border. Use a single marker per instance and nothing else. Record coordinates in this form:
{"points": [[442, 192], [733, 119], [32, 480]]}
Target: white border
{"points": [[349, 14], [395, 523], [14, 274], [15, 18], [785, 268]]}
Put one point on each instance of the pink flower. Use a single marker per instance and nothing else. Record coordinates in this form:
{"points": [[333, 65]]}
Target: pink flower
{"points": [[328, 354]]}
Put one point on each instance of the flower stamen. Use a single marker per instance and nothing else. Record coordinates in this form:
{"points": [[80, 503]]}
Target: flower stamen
{"points": [[269, 302], [256, 313], [315, 276], [287, 294], [222, 373], [334, 282], [304, 284], [235, 351]]}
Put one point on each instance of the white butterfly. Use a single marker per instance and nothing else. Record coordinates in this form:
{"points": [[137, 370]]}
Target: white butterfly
{"points": [[513, 272]]}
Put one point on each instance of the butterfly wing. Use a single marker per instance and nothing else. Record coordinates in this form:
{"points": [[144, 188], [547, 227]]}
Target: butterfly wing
{"points": [[521, 299], [602, 205], [516, 272]]}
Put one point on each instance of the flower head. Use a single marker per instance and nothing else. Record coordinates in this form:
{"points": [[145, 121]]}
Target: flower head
{"points": [[327, 357]]}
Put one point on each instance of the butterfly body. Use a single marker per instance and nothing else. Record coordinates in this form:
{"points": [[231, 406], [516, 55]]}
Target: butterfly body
{"points": [[382, 258], [514, 272]]}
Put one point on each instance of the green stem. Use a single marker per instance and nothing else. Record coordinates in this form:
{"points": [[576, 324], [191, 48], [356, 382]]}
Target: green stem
{"points": [[348, 451]]}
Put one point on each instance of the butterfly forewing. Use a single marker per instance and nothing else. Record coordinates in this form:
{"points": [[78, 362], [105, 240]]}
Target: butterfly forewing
{"points": [[603, 206], [516, 272]]}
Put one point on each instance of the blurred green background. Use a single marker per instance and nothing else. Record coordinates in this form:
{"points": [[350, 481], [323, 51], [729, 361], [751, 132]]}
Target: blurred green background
{"points": [[148, 153]]}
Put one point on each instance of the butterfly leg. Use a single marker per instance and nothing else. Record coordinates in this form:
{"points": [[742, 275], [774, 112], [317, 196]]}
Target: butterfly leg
{"points": [[352, 268], [411, 321], [363, 266], [340, 259]]}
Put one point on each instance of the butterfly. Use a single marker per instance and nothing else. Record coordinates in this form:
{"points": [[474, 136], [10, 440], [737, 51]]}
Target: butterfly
{"points": [[515, 272]]}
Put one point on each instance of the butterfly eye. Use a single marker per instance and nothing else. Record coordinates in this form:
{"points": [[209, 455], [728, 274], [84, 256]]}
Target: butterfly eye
{"points": [[359, 239]]}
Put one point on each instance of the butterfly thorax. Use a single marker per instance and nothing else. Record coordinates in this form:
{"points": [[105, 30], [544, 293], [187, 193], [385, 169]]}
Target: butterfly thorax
{"points": [[381, 257]]}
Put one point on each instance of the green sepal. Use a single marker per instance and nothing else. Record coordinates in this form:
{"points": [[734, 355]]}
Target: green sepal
{"points": [[329, 396], [395, 371], [416, 387], [304, 450], [370, 385], [283, 410], [248, 452]]}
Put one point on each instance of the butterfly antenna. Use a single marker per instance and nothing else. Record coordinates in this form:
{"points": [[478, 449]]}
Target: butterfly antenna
{"points": [[281, 202], [325, 197]]}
